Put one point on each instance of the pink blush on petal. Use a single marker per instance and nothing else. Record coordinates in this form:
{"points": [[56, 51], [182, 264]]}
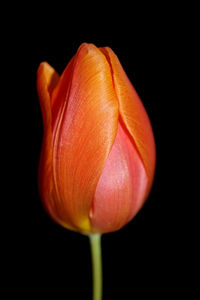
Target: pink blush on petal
{"points": [[120, 191]]}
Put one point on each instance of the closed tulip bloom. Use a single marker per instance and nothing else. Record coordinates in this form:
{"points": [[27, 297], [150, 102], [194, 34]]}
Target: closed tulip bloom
{"points": [[98, 155]]}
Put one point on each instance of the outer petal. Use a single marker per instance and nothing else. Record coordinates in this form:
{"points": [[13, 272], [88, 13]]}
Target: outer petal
{"points": [[47, 79], [133, 115], [84, 134], [121, 188]]}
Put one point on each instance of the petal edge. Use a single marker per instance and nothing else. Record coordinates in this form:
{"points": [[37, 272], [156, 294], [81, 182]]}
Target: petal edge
{"points": [[133, 115]]}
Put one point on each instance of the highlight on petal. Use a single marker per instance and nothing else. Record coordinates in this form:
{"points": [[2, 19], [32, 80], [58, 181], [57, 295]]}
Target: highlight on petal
{"points": [[121, 188], [133, 115], [84, 134], [60, 93]]}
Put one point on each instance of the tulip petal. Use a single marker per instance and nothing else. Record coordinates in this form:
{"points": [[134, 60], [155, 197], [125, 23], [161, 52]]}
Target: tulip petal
{"points": [[121, 188], [133, 115], [84, 133], [47, 79]]}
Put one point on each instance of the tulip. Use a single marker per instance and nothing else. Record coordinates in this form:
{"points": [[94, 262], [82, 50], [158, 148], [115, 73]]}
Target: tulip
{"points": [[98, 155]]}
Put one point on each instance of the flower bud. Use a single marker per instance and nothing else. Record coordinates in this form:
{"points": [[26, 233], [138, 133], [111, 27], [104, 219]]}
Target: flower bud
{"points": [[98, 155]]}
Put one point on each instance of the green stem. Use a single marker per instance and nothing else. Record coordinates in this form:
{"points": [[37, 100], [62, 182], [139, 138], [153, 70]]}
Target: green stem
{"points": [[95, 244]]}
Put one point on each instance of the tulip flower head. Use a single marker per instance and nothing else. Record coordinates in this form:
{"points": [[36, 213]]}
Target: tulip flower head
{"points": [[98, 155]]}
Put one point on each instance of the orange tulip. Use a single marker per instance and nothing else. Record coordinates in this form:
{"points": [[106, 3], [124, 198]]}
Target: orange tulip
{"points": [[98, 154]]}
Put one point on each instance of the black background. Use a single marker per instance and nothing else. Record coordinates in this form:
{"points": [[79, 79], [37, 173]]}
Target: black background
{"points": [[145, 258]]}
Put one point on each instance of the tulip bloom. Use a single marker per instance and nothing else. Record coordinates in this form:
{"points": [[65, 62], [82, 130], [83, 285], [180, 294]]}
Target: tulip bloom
{"points": [[98, 154]]}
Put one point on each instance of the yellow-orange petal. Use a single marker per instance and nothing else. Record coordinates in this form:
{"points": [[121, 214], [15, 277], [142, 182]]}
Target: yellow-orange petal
{"points": [[84, 134], [47, 79], [133, 115]]}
